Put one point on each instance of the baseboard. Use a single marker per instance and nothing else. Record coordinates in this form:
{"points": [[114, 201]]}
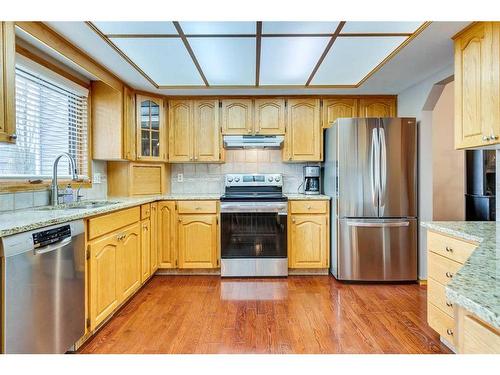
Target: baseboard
{"points": [[308, 271], [194, 271]]}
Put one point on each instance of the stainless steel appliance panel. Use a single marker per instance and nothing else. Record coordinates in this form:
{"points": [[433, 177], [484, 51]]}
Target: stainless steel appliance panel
{"points": [[44, 292], [377, 249], [358, 162], [398, 167]]}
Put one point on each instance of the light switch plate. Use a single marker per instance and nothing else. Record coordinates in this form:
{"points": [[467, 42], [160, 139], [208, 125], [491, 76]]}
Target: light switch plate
{"points": [[180, 177], [97, 178]]}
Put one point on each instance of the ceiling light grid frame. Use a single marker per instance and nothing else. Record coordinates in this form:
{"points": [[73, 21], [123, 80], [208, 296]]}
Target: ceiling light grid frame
{"points": [[259, 35]]}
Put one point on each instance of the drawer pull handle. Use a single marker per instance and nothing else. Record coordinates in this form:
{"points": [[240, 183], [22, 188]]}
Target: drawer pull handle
{"points": [[309, 207], [449, 304], [449, 249], [449, 274], [449, 331]]}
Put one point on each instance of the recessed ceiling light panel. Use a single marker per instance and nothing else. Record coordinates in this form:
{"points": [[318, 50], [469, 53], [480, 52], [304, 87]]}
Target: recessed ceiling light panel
{"points": [[165, 60], [139, 28], [381, 27], [219, 27], [285, 27]]}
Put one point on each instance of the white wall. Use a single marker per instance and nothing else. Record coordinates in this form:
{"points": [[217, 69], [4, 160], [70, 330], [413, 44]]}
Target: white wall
{"points": [[413, 102]]}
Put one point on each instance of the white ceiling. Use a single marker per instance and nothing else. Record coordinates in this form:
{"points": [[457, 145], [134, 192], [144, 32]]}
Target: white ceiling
{"points": [[285, 60]]}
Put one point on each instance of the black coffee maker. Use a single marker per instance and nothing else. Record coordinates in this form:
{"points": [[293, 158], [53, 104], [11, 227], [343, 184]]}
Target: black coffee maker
{"points": [[312, 180]]}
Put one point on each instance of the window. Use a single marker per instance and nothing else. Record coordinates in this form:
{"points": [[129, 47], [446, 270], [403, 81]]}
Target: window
{"points": [[51, 118]]}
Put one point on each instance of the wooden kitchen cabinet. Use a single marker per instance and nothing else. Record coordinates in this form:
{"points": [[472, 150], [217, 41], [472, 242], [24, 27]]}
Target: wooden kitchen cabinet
{"points": [[194, 131], [337, 108], [7, 82], [308, 238], [269, 116], [113, 122], [237, 116], [445, 256], [103, 278], [128, 262], [145, 249], [304, 136], [475, 336], [477, 85], [137, 179], [197, 234], [154, 238], [151, 129], [167, 228], [377, 107]]}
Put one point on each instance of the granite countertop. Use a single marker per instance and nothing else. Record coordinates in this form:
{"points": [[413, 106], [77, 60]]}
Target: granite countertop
{"points": [[476, 285], [13, 222]]}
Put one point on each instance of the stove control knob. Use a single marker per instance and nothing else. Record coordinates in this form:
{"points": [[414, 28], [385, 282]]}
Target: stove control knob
{"points": [[270, 179], [237, 179], [277, 178], [230, 179]]}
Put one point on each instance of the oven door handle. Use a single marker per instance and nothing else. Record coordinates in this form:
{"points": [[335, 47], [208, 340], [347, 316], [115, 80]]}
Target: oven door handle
{"points": [[254, 207]]}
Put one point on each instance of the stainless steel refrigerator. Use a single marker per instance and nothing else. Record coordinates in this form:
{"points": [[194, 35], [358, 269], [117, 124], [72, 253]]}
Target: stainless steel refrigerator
{"points": [[370, 171]]}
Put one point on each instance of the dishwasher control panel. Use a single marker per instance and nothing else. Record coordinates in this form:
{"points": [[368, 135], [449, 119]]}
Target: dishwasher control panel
{"points": [[50, 236]]}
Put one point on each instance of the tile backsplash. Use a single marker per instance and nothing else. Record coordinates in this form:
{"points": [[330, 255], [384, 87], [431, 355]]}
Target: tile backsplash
{"points": [[28, 199], [209, 178]]}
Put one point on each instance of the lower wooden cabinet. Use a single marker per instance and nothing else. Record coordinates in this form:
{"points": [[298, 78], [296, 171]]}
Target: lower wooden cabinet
{"points": [[114, 272], [474, 336], [197, 240], [145, 249], [308, 234], [167, 225], [445, 256], [154, 260]]}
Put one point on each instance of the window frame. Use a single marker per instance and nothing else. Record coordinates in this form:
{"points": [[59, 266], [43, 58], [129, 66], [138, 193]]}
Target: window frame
{"points": [[24, 184]]}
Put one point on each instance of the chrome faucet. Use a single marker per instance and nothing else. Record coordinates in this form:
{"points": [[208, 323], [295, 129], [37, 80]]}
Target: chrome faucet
{"points": [[54, 197]]}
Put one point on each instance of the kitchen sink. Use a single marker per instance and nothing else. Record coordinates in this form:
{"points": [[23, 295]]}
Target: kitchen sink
{"points": [[84, 205]]}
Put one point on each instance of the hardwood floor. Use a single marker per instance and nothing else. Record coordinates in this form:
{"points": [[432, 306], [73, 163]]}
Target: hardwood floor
{"points": [[300, 314]]}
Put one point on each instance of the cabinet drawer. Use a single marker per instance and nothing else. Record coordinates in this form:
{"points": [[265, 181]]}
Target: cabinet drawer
{"points": [[437, 296], [108, 223], [479, 338], [440, 322], [449, 247], [197, 207], [441, 269], [308, 207], [145, 211]]}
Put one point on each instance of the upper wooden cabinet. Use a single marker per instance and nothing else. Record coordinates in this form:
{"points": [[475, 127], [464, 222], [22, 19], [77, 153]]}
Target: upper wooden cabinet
{"points": [[259, 116], [337, 108], [377, 107], [151, 130], [269, 116], [194, 134], [304, 136], [477, 85], [113, 122], [237, 116], [7, 82]]}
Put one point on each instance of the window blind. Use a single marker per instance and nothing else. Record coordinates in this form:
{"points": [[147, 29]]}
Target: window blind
{"points": [[51, 118]]}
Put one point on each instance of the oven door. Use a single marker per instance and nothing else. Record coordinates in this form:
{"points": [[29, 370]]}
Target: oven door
{"points": [[253, 230]]}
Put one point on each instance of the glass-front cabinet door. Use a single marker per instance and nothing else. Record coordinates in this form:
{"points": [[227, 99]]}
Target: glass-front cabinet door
{"points": [[151, 137]]}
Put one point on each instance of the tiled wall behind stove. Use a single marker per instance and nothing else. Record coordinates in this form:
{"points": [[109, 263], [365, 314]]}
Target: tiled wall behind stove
{"points": [[28, 199], [209, 178]]}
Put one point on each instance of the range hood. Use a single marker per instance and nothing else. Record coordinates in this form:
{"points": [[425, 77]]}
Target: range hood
{"points": [[253, 141]]}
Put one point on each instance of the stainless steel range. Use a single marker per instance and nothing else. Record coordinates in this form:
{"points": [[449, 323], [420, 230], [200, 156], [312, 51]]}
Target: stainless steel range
{"points": [[254, 226]]}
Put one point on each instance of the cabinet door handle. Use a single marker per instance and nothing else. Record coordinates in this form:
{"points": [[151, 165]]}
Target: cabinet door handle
{"points": [[293, 220], [449, 304], [180, 220], [449, 331], [13, 137], [449, 275], [449, 249], [309, 207]]}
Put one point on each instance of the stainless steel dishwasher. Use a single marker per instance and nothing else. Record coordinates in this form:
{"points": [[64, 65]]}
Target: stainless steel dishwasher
{"points": [[43, 281]]}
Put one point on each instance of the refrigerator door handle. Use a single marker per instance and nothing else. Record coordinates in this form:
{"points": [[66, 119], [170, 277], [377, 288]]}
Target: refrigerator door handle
{"points": [[383, 167], [374, 167], [379, 224]]}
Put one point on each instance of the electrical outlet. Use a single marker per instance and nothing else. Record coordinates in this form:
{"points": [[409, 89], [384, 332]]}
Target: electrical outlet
{"points": [[180, 177], [97, 178]]}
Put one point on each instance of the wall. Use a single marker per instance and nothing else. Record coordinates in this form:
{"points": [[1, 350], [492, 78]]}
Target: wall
{"points": [[209, 178], [28, 199], [448, 164], [413, 102]]}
